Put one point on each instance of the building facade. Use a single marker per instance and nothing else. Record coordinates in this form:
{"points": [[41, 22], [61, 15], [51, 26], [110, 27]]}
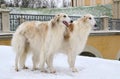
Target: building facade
{"points": [[103, 44], [76, 3]]}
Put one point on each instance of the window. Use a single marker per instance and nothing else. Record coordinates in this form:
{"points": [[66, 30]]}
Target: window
{"points": [[87, 54], [119, 59]]}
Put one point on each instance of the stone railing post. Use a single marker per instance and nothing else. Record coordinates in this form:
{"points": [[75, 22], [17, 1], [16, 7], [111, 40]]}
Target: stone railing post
{"points": [[105, 20], [5, 20]]}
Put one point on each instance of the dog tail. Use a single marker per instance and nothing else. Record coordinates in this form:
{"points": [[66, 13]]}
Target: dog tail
{"points": [[20, 47], [18, 42]]}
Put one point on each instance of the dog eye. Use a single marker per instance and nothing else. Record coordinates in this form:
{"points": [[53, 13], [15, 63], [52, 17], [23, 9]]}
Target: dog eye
{"points": [[64, 16], [90, 18]]}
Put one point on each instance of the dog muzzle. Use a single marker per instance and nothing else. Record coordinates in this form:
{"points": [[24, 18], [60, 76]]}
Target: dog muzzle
{"points": [[66, 23]]}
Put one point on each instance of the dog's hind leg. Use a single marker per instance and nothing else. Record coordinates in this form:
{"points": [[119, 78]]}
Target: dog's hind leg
{"points": [[19, 51], [22, 60], [18, 44], [16, 61], [23, 56]]}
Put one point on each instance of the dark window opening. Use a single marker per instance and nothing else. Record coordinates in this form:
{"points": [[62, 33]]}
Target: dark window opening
{"points": [[72, 3], [87, 54], [119, 59]]}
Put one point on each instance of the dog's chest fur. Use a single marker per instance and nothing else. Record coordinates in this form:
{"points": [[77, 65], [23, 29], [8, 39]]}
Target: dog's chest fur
{"points": [[76, 38], [55, 37]]}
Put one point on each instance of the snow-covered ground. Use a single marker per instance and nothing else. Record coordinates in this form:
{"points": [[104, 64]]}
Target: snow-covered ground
{"points": [[89, 68]]}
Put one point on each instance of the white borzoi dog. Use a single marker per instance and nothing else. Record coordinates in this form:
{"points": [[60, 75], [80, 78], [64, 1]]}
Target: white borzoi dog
{"points": [[39, 38], [74, 40]]}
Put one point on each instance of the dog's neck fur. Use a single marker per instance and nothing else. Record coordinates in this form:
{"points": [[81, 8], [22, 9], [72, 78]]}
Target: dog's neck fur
{"points": [[83, 25], [76, 32], [58, 26], [58, 30], [79, 26]]}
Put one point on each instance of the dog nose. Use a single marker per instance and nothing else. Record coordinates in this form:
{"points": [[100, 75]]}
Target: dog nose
{"points": [[95, 25], [71, 21]]}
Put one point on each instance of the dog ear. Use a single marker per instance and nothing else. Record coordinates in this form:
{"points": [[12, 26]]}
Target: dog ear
{"points": [[55, 20], [52, 22], [85, 18]]}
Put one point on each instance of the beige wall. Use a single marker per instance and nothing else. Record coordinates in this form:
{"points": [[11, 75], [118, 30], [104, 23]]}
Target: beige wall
{"points": [[5, 41], [106, 46], [116, 9], [90, 2]]}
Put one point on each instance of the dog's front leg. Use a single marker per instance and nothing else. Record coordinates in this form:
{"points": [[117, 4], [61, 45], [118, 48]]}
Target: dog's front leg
{"points": [[49, 61], [71, 61], [35, 60], [42, 59]]}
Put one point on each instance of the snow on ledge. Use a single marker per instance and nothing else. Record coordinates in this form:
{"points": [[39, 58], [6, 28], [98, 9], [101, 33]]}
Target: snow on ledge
{"points": [[88, 67]]}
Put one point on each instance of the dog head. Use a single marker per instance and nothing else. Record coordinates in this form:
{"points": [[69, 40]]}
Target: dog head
{"points": [[88, 18], [61, 18]]}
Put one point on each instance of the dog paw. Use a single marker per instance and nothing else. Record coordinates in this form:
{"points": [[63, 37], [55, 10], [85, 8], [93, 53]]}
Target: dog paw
{"points": [[74, 70], [52, 70], [33, 69], [25, 67], [43, 70], [16, 69]]}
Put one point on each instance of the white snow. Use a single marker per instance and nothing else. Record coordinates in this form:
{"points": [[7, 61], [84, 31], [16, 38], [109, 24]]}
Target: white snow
{"points": [[89, 68]]}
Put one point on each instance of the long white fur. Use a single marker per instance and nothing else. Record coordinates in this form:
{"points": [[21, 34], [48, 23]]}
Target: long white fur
{"points": [[40, 38], [76, 42]]}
